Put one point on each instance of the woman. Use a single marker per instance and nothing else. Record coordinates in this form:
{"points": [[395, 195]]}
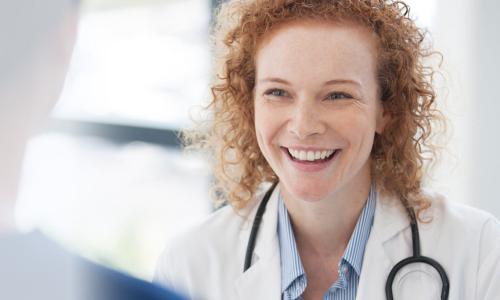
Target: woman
{"points": [[329, 100]]}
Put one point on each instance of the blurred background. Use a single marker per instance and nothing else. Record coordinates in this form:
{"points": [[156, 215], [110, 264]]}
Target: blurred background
{"points": [[114, 182]]}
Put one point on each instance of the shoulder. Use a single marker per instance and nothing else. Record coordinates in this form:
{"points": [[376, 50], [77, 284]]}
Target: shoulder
{"points": [[210, 234], [210, 252], [216, 230], [34, 261], [473, 234], [460, 217], [443, 226], [471, 237], [103, 283], [463, 239]]}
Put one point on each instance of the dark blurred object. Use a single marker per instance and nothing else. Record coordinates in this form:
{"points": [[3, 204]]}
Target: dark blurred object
{"points": [[120, 134]]}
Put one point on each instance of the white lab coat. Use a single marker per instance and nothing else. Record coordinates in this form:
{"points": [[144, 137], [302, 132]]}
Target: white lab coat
{"points": [[207, 262]]}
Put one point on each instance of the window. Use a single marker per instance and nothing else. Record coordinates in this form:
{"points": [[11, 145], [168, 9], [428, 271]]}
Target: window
{"points": [[117, 192]]}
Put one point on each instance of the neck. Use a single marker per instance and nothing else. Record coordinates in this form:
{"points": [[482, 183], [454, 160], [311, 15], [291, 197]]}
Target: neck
{"points": [[324, 227]]}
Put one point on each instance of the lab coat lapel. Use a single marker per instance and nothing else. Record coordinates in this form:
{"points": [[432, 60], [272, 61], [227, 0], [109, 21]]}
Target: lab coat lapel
{"points": [[263, 279], [388, 243]]}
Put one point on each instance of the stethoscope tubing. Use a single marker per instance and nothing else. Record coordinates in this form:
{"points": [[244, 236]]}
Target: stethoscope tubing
{"points": [[413, 260], [255, 227], [416, 258]]}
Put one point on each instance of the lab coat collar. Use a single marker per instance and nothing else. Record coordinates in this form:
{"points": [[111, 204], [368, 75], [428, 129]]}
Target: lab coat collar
{"points": [[390, 218], [384, 247], [262, 279]]}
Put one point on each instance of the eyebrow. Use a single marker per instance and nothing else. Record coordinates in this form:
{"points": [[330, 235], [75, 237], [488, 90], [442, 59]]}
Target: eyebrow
{"points": [[275, 79], [329, 82], [344, 81]]}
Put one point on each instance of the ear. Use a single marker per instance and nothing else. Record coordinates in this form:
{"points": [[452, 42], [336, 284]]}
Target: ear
{"points": [[382, 118]]}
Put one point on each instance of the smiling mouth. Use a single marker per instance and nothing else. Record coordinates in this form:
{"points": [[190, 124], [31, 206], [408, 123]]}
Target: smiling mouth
{"points": [[311, 156]]}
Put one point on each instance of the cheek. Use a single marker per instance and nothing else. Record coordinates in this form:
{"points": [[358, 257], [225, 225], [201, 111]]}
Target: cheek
{"points": [[357, 130], [259, 118], [263, 125], [265, 120]]}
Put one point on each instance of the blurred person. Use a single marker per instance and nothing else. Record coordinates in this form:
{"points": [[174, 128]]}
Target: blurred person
{"points": [[36, 42], [322, 118]]}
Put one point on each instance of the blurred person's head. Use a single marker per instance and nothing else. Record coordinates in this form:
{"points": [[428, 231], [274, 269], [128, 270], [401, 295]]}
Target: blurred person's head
{"points": [[36, 39]]}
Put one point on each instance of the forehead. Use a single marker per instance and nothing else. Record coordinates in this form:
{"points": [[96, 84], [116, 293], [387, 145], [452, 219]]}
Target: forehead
{"points": [[317, 48]]}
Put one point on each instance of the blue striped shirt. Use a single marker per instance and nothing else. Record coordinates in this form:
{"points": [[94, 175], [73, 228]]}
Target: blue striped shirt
{"points": [[293, 276]]}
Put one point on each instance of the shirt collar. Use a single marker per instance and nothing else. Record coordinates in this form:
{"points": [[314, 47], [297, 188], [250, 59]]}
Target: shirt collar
{"points": [[356, 247], [291, 265]]}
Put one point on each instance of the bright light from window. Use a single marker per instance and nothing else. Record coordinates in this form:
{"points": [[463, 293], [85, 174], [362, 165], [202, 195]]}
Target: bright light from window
{"points": [[140, 64]]}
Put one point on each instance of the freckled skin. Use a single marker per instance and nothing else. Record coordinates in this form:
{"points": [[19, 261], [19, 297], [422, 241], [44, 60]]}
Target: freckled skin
{"points": [[296, 106]]}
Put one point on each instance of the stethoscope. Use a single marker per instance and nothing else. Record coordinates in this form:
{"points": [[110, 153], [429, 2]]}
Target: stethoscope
{"points": [[416, 258]]}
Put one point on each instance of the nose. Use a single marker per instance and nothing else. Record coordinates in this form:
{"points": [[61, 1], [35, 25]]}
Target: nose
{"points": [[305, 120]]}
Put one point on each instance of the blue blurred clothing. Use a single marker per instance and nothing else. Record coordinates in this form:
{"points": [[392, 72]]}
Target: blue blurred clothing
{"points": [[34, 267]]}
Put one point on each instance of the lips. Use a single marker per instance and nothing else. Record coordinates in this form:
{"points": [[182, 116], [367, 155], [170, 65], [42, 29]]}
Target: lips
{"points": [[314, 165]]}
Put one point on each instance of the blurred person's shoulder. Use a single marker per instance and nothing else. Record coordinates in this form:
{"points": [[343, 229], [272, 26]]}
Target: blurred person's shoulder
{"points": [[102, 283], [36, 267]]}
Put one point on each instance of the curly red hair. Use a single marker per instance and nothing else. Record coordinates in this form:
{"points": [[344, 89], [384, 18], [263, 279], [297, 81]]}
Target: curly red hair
{"points": [[405, 87]]}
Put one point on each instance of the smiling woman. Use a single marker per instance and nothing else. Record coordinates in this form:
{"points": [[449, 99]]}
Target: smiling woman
{"points": [[403, 84], [326, 73], [331, 104]]}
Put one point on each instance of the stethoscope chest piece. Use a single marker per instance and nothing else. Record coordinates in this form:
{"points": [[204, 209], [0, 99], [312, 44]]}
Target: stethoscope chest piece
{"points": [[414, 272], [417, 281]]}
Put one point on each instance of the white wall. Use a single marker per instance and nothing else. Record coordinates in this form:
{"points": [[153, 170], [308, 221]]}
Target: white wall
{"points": [[486, 100], [468, 34]]}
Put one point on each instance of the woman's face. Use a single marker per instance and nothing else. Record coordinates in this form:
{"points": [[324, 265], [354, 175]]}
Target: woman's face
{"points": [[316, 106]]}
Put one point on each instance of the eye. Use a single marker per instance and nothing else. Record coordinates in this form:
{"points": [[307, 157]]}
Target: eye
{"points": [[338, 96], [276, 93]]}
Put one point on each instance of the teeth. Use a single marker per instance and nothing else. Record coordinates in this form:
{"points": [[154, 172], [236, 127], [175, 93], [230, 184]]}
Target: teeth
{"points": [[302, 155], [322, 154], [310, 155]]}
